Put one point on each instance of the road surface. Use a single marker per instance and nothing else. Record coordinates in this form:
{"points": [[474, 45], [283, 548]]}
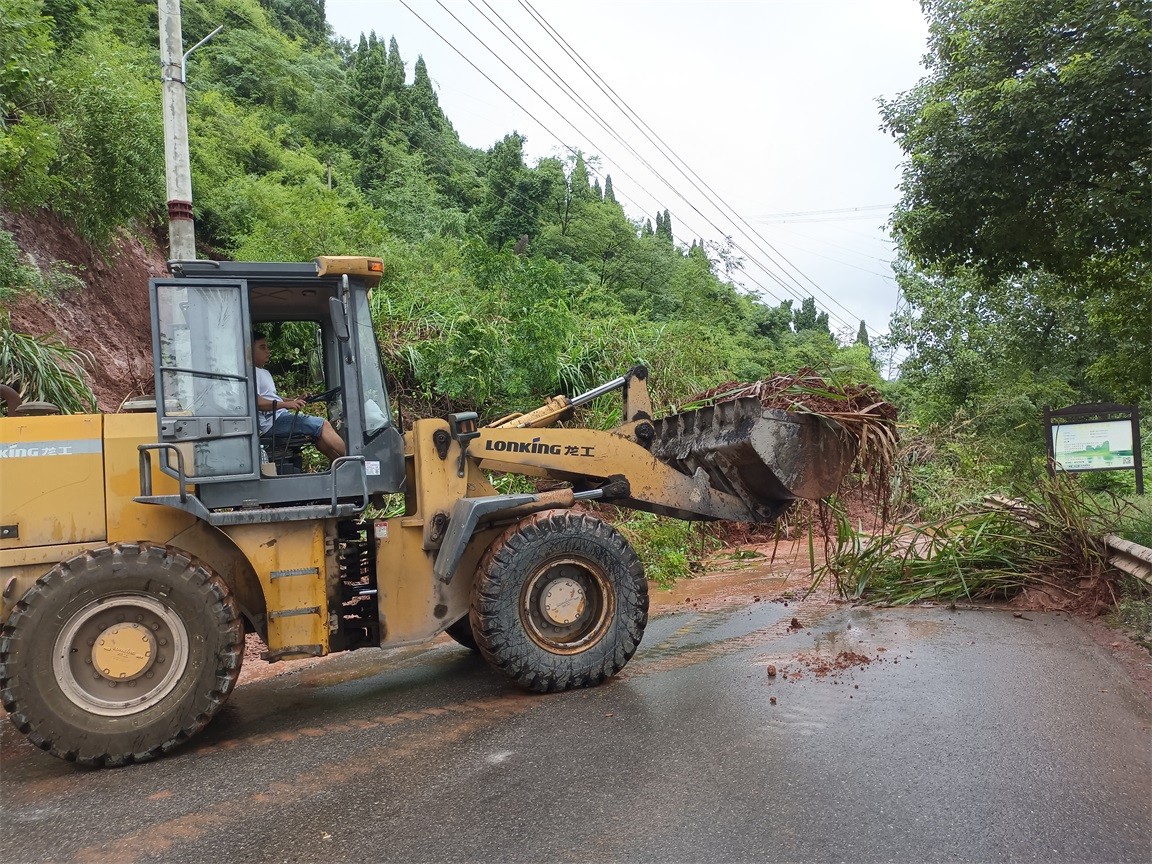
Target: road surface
{"points": [[885, 735]]}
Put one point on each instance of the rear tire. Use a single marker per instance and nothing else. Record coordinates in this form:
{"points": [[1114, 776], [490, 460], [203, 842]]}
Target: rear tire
{"points": [[120, 654], [560, 601]]}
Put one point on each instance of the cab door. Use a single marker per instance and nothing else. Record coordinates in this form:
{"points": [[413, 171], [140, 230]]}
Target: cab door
{"points": [[205, 404]]}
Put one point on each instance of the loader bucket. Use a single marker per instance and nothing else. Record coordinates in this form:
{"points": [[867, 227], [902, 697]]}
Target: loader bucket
{"points": [[764, 456]]}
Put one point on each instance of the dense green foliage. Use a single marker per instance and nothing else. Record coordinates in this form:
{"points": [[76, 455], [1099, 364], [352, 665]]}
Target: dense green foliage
{"points": [[507, 281], [1025, 228]]}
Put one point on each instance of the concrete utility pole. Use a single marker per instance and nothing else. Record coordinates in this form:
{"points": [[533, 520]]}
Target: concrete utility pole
{"points": [[178, 168]]}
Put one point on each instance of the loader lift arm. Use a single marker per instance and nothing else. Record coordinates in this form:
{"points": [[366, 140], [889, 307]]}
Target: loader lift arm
{"points": [[734, 460]]}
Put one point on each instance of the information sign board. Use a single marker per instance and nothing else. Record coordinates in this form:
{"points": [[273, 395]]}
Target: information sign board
{"points": [[1095, 437]]}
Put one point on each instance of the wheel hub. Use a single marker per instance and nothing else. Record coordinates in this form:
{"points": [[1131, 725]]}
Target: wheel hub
{"points": [[124, 652], [120, 654], [566, 605], [563, 601]]}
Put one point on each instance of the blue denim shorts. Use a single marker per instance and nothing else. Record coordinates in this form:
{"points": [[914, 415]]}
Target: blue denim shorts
{"points": [[290, 423]]}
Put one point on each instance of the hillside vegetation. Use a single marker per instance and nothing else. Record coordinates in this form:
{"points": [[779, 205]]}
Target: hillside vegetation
{"points": [[506, 281]]}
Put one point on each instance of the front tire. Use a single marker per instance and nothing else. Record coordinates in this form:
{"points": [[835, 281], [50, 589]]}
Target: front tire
{"points": [[120, 654], [560, 601], [461, 632]]}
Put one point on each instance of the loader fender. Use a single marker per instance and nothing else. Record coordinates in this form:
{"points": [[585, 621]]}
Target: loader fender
{"points": [[223, 556], [466, 514], [200, 540]]}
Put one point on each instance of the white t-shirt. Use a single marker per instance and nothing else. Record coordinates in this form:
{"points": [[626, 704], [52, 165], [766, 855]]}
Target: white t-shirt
{"points": [[266, 387]]}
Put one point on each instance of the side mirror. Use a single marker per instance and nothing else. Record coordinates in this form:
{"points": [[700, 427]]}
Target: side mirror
{"points": [[339, 318]]}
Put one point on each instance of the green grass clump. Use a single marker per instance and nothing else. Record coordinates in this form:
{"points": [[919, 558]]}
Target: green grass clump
{"points": [[991, 551], [670, 549], [45, 369], [1135, 522], [1133, 611]]}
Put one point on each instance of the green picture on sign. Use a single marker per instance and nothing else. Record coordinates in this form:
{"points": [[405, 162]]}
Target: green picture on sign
{"points": [[1093, 446]]}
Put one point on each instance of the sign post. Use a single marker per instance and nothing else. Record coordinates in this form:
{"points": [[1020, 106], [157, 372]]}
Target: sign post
{"points": [[1095, 437]]}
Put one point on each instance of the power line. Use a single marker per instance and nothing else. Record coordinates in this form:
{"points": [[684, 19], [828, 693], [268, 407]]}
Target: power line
{"points": [[553, 134], [554, 77], [824, 242], [839, 261], [827, 212], [583, 104], [807, 220], [665, 149]]}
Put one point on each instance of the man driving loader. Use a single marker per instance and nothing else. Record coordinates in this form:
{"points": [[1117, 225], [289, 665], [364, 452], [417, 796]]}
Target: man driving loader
{"points": [[280, 417]]}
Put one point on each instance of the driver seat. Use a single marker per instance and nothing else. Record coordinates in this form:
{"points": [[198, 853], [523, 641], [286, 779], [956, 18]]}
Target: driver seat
{"points": [[284, 452]]}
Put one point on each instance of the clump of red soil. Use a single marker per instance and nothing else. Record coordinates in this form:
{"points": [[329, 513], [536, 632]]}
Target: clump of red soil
{"points": [[1087, 596], [821, 666]]}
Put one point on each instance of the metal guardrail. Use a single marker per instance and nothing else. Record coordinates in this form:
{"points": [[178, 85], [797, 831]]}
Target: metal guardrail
{"points": [[1130, 557], [1125, 555]]}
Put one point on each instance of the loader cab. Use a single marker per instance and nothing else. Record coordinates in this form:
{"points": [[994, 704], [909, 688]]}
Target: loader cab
{"points": [[202, 320]]}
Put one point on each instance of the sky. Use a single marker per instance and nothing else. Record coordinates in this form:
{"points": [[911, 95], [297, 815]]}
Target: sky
{"points": [[757, 119]]}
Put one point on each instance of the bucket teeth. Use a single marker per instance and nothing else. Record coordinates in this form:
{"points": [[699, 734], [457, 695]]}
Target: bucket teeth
{"points": [[764, 456]]}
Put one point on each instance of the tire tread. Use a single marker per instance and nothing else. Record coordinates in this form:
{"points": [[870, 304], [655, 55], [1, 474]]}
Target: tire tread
{"points": [[173, 564], [496, 624]]}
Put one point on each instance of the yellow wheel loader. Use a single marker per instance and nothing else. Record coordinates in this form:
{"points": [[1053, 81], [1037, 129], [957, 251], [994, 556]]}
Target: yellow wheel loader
{"points": [[136, 549]]}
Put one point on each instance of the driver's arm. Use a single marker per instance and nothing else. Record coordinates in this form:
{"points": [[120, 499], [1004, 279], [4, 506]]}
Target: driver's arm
{"points": [[265, 403]]}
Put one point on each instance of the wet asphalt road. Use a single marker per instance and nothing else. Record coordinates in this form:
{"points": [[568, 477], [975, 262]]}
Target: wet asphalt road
{"points": [[945, 736]]}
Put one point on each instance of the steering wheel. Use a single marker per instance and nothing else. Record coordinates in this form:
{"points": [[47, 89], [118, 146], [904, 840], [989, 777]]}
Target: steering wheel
{"points": [[326, 396]]}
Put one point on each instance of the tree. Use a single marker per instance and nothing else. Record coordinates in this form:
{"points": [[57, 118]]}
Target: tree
{"points": [[1028, 152], [993, 360], [609, 195], [862, 334], [1028, 140], [807, 318], [578, 183], [393, 80], [303, 18], [515, 195]]}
